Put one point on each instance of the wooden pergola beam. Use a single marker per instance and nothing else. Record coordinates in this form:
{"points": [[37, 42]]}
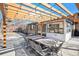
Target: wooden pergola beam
{"points": [[19, 8], [77, 4], [18, 11], [64, 8], [2, 7], [53, 9], [51, 14], [26, 8], [41, 10], [22, 8]]}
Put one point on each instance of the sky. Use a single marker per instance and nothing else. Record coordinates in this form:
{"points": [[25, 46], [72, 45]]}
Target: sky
{"points": [[0, 15]]}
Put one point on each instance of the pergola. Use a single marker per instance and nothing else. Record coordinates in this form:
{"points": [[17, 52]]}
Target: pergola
{"points": [[37, 12]]}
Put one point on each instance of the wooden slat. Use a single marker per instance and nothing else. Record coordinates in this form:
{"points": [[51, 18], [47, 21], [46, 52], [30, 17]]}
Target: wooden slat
{"points": [[10, 6], [19, 16], [47, 12], [33, 10], [64, 8], [10, 11], [52, 8], [29, 10], [77, 4], [13, 4], [40, 9], [15, 9]]}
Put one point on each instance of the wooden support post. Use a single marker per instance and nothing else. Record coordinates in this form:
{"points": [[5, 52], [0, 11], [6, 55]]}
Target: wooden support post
{"points": [[2, 7], [41, 28]]}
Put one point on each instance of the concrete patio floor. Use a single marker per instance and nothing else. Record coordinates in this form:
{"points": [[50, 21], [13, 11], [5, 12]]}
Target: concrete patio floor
{"points": [[17, 43]]}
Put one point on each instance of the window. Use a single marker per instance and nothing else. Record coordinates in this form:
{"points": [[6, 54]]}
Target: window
{"points": [[56, 28]]}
